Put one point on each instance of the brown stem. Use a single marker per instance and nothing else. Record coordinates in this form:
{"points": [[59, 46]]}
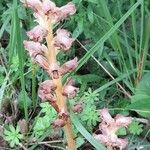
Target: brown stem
{"points": [[61, 101]]}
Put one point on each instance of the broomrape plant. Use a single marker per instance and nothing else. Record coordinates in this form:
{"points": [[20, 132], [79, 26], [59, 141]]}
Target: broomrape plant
{"points": [[47, 14]]}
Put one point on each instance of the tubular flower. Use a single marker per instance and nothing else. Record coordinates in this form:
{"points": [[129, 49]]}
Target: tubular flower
{"points": [[109, 127], [42, 61], [48, 86], [63, 40], [67, 10], [34, 48], [54, 70], [35, 5], [37, 33], [48, 7], [78, 108], [69, 90], [69, 66]]}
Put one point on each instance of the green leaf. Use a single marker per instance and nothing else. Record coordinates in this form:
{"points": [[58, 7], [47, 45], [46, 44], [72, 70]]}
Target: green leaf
{"points": [[121, 131], [135, 128], [22, 98], [141, 106], [79, 142], [140, 102], [90, 14]]}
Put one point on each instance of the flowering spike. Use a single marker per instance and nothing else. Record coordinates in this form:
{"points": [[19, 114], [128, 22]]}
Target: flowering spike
{"points": [[46, 15], [109, 127]]}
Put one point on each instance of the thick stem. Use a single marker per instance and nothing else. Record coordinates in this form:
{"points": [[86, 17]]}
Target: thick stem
{"points": [[61, 101]]}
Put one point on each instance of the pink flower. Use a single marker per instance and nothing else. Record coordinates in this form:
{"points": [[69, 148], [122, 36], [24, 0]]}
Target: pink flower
{"points": [[53, 71], [34, 48], [42, 61], [78, 108], [109, 127], [48, 7], [40, 19], [68, 66], [35, 5], [63, 40], [48, 86], [121, 143], [37, 33], [59, 123], [63, 114], [67, 10], [69, 90], [56, 14], [106, 117], [102, 139], [123, 121], [46, 89]]}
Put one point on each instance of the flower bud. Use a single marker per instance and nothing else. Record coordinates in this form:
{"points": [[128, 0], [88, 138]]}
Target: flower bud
{"points": [[62, 40], [23, 126], [58, 123], [37, 33], [78, 108], [69, 66], [63, 115]]}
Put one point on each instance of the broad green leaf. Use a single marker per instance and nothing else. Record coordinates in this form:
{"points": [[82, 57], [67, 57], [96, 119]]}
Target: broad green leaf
{"points": [[141, 100]]}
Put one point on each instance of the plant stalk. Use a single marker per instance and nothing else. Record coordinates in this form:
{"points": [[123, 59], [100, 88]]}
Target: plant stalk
{"points": [[61, 101]]}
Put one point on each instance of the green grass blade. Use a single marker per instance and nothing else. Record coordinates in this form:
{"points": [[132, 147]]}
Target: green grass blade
{"points": [[20, 50], [121, 77], [2, 89], [85, 58], [85, 133], [4, 26]]}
